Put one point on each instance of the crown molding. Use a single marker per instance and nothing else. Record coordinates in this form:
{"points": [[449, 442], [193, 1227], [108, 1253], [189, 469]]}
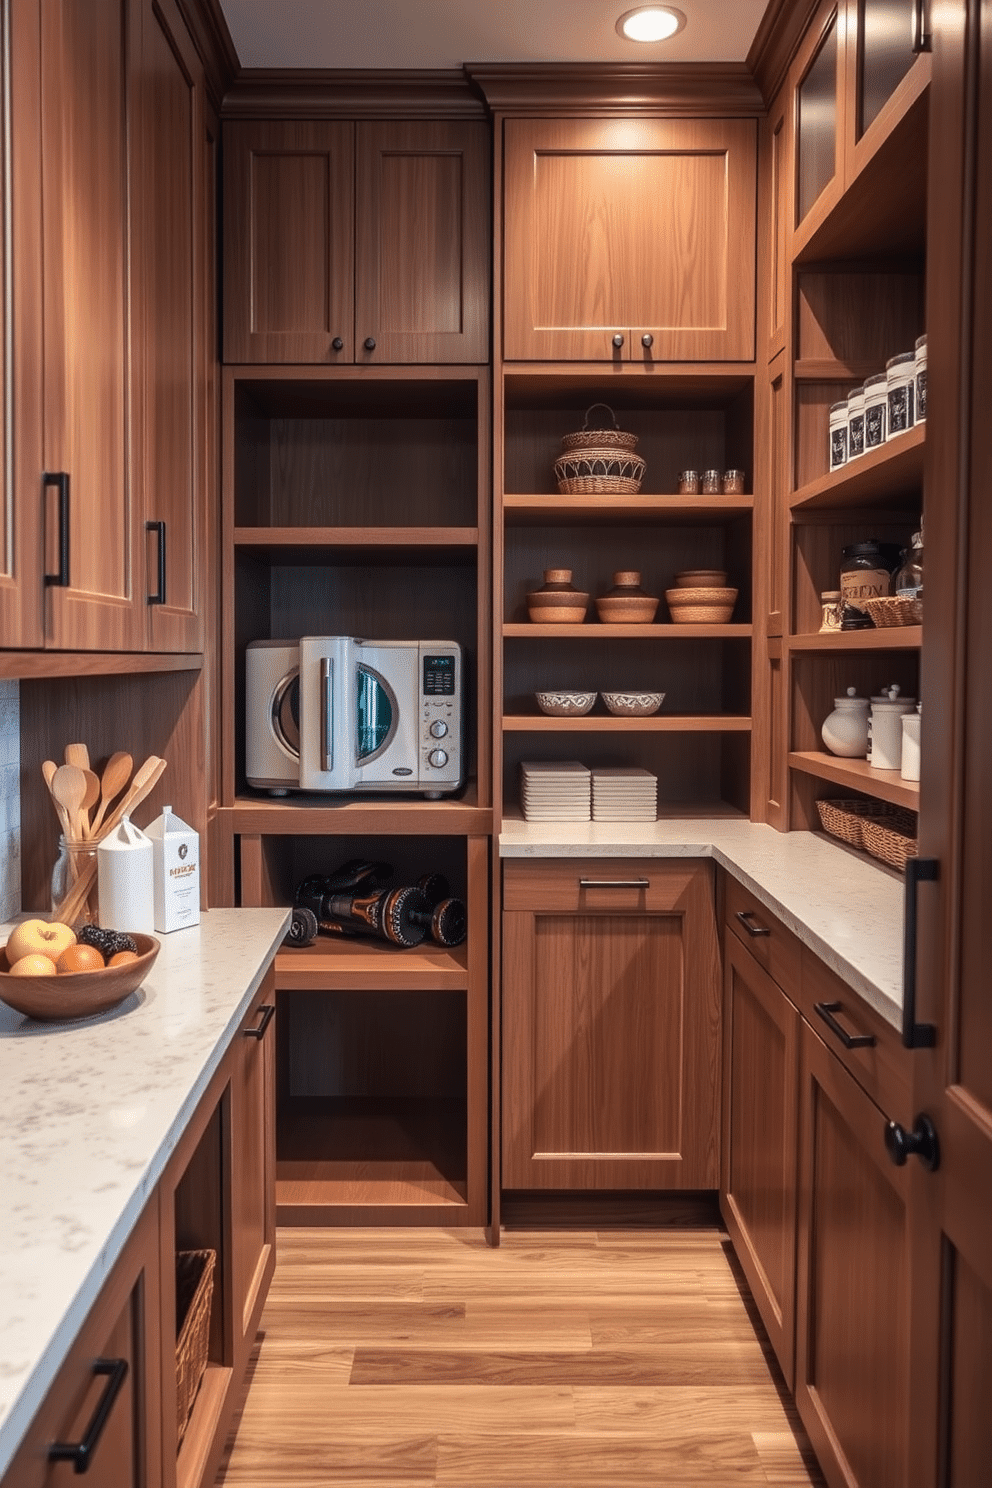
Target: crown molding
{"points": [[590, 88], [296, 93], [207, 26], [776, 41]]}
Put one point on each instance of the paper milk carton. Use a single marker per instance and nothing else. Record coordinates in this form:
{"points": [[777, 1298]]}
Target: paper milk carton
{"points": [[176, 865]]}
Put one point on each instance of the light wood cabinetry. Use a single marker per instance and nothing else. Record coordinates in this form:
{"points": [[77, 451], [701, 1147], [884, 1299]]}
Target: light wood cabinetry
{"points": [[356, 243], [610, 1026], [629, 239]]}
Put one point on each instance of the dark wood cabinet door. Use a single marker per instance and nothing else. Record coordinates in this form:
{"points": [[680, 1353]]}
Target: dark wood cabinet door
{"points": [[289, 241], [253, 1170], [853, 1293], [170, 276], [611, 1026], [422, 242], [87, 63], [761, 1117], [639, 229]]}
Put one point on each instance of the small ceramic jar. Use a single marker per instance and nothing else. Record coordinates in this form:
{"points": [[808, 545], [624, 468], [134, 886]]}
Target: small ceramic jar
{"points": [[712, 483], [910, 767], [855, 423], [838, 435], [885, 728], [830, 603], [900, 379], [920, 381], [688, 482], [876, 407], [845, 730]]}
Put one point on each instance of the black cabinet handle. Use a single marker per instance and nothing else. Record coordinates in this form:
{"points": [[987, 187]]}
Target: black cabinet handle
{"points": [[922, 37], [614, 883], [914, 1035], [618, 340], [647, 340], [753, 927], [921, 1142], [267, 1010], [369, 343], [826, 1011], [159, 529], [60, 480], [80, 1454], [337, 344]]}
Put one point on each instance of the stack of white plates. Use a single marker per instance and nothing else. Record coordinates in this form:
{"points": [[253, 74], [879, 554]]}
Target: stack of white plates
{"points": [[555, 790], [624, 795]]}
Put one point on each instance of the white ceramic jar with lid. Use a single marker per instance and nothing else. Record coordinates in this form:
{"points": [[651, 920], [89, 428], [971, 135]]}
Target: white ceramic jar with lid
{"points": [[885, 728], [855, 423], [838, 435], [845, 730], [900, 379], [876, 407], [920, 391], [910, 767]]}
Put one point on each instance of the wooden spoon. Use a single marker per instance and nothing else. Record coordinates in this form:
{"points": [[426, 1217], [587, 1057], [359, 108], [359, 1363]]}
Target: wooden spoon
{"points": [[89, 801], [68, 788], [48, 769], [145, 780], [116, 774], [78, 755]]}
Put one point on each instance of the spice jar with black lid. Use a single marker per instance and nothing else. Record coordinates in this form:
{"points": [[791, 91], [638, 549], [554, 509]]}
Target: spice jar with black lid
{"points": [[865, 573]]}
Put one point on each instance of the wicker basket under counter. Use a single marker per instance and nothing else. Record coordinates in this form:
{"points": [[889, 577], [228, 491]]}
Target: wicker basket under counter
{"points": [[888, 833], [194, 1295]]}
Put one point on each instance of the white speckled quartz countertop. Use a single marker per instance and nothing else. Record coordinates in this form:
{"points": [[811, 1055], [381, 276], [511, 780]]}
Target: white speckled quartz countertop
{"points": [[91, 1112], [843, 906]]}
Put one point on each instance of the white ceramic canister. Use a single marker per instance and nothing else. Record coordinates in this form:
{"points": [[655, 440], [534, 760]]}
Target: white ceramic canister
{"points": [[885, 728], [126, 877], [910, 769], [900, 378], [855, 423], [838, 435], [920, 398], [845, 730], [876, 407]]}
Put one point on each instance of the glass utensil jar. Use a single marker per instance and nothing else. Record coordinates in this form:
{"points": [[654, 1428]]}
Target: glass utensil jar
{"points": [[74, 860]]}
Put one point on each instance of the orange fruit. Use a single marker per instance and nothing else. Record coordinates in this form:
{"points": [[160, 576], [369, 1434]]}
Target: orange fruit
{"points": [[34, 964], [80, 958], [122, 958]]}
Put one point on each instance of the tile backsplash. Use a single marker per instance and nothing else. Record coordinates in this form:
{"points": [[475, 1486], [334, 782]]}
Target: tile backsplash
{"points": [[10, 799]]}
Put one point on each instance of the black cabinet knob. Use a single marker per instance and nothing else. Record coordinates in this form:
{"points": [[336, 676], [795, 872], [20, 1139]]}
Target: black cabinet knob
{"points": [[369, 343], [921, 1142], [618, 340], [337, 344], [647, 340]]}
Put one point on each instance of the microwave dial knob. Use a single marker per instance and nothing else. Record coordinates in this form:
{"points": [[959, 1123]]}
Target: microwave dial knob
{"points": [[438, 728], [438, 758]]}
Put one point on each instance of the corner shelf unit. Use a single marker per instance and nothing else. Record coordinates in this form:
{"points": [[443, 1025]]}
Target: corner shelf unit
{"points": [[356, 502]]}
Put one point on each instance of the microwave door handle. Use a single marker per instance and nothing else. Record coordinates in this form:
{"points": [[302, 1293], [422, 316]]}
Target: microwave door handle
{"points": [[327, 713]]}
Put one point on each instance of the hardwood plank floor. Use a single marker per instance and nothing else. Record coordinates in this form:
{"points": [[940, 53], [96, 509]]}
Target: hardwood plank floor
{"points": [[586, 1359]]}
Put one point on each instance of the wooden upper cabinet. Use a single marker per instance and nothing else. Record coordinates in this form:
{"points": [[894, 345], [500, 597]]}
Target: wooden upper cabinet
{"points": [[422, 242], [629, 240], [289, 241], [347, 243]]}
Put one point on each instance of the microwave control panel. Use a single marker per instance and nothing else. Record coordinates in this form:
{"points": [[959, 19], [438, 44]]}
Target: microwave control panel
{"points": [[440, 730]]}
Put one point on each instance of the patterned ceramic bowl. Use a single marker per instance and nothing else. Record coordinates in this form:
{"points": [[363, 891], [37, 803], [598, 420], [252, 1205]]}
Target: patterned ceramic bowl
{"points": [[633, 704], [565, 704]]}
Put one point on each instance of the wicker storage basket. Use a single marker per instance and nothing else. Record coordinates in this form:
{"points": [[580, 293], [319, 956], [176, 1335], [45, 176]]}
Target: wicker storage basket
{"points": [[194, 1294], [599, 462], [846, 819], [889, 611], [892, 838]]}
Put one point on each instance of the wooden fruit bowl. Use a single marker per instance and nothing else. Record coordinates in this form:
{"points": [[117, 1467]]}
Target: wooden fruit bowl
{"points": [[76, 994]]}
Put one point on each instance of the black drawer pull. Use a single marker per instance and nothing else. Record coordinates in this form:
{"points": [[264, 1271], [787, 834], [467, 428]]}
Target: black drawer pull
{"points": [[80, 1454], [753, 927], [267, 1010], [614, 883], [158, 598], [826, 1011], [60, 480]]}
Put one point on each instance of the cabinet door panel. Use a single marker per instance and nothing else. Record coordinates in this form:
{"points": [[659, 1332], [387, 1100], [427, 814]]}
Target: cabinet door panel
{"points": [[85, 140], [632, 228], [253, 1167], [422, 214], [288, 242], [611, 1038]]}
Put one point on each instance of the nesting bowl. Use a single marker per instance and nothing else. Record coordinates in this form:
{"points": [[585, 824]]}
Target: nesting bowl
{"points": [[76, 994], [700, 578], [565, 704], [633, 704], [701, 606]]}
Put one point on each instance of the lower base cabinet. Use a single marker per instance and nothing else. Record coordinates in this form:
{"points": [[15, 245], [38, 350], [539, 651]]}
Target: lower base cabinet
{"points": [[611, 1025]]}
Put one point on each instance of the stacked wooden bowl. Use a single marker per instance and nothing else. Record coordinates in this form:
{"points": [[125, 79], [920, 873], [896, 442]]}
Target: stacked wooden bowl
{"points": [[701, 597]]}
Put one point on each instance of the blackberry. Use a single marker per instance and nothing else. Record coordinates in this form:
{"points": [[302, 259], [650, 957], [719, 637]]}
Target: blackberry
{"points": [[121, 941], [95, 935]]}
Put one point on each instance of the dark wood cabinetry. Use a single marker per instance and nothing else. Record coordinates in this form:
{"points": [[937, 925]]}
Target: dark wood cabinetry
{"points": [[356, 243], [629, 240], [610, 1025]]}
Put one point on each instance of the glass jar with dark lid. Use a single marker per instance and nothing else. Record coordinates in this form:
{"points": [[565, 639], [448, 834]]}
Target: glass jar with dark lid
{"points": [[865, 573]]}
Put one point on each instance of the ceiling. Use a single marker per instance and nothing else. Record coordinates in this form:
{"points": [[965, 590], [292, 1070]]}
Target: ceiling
{"points": [[448, 33]]}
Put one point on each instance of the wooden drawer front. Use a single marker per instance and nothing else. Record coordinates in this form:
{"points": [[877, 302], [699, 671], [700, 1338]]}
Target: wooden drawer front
{"points": [[883, 1068], [773, 946], [598, 885]]}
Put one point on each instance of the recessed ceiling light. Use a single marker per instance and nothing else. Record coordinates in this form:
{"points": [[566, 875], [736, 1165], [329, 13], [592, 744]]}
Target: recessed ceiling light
{"points": [[650, 23]]}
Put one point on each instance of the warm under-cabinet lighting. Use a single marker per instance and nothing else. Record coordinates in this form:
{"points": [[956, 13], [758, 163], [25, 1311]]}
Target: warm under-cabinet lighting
{"points": [[650, 23]]}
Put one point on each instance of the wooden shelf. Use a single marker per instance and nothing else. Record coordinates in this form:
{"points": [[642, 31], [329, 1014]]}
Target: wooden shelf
{"points": [[388, 1161], [650, 385], [892, 638], [312, 814], [594, 631], [592, 511], [39, 664], [880, 477], [692, 723], [342, 965], [376, 540], [857, 774], [204, 1418]]}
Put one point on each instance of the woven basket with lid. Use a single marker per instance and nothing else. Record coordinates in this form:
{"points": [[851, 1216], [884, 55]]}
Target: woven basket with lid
{"points": [[599, 462]]}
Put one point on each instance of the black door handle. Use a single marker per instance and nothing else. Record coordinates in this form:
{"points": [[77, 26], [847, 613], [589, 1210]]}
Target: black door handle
{"points": [[914, 1035], [159, 529], [60, 480], [826, 1010], [369, 343], [921, 1142], [267, 1010], [80, 1453], [753, 927], [337, 344]]}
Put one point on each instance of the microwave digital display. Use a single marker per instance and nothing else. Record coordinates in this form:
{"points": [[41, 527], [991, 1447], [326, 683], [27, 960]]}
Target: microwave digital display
{"points": [[439, 676]]}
